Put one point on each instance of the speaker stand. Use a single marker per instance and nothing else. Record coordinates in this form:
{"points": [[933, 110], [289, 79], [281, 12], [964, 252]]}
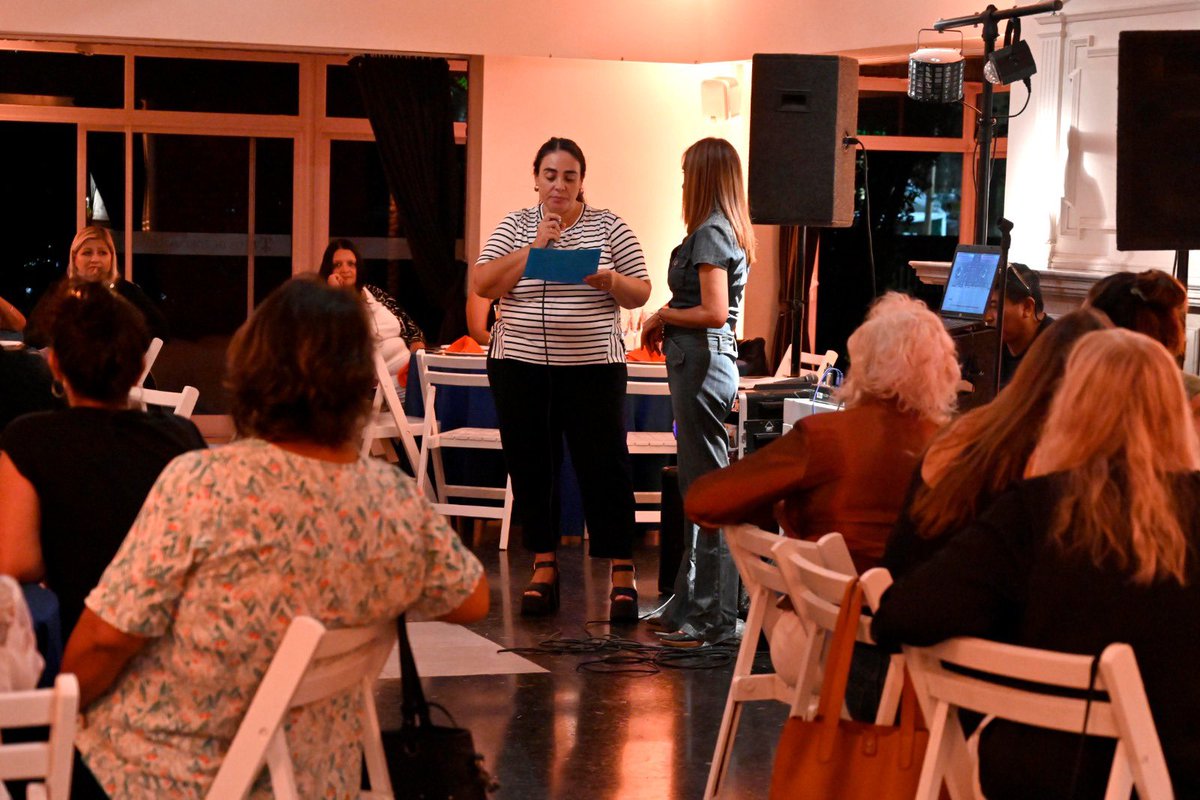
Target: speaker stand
{"points": [[799, 304]]}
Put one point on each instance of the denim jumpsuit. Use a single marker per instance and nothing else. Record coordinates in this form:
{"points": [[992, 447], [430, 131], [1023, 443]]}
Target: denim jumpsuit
{"points": [[703, 376]]}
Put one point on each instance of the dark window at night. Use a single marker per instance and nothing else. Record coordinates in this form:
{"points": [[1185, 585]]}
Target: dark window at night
{"points": [[343, 98], [895, 114], [62, 79], [224, 87]]}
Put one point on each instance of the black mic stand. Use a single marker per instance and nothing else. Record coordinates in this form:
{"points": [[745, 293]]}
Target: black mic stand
{"points": [[990, 19]]}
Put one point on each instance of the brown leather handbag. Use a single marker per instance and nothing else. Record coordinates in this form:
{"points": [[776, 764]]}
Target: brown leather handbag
{"points": [[834, 759]]}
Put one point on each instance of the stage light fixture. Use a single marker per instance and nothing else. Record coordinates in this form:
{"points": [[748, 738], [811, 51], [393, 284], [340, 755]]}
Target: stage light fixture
{"points": [[935, 74], [1010, 64]]}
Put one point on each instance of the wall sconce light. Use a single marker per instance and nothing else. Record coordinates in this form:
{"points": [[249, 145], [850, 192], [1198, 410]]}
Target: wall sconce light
{"points": [[720, 98]]}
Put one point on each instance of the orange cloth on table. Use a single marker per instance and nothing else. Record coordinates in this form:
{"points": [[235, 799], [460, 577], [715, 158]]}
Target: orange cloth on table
{"points": [[642, 354], [845, 471], [464, 344]]}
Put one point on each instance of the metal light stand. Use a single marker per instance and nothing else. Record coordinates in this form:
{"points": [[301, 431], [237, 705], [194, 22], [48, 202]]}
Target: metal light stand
{"points": [[990, 19]]}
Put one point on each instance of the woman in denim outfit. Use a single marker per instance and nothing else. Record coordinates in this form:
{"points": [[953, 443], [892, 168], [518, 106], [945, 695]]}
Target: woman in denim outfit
{"points": [[695, 330]]}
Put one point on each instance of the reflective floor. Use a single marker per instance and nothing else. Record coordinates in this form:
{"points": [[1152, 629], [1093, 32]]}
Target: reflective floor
{"points": [[576, 734]]}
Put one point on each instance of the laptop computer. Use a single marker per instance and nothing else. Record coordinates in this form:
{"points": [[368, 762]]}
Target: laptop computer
{"points": [[972, 276]]}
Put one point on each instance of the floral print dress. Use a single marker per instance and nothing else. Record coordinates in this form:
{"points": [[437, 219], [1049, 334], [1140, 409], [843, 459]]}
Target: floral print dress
{"points": [[231, 544]]}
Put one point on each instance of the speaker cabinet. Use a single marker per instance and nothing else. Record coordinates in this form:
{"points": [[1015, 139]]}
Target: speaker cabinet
{"points": [[801, 107], [1158, 91]]}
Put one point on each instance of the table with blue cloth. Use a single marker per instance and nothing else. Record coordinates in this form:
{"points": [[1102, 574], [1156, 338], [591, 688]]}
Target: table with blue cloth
{"points": [[468, 406]]}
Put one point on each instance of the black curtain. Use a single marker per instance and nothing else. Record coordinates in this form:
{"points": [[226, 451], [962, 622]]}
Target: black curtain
{"points": [[409, 105]]}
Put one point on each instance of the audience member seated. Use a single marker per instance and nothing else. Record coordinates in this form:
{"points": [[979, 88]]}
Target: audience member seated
{"points": [[984, 452], [72, 481], [11, 318], [20, 662], [1025, 317], [234, 542], [1100, 546], [849, 471], [93, 259], [397, 335], [28, 385], [1153, 303]]}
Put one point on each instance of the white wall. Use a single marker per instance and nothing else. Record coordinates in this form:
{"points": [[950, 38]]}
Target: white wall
{"points": [[1062, 161]]}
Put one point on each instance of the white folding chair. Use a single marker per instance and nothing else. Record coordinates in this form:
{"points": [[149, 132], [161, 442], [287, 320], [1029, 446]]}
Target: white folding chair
{"points": [[47, 762], [312, 664], [459, 371], [388, 420], [809, 362], [1124, 716], [649, 378], [756, 552], [148, 360], [181, 403], [816, 592]]}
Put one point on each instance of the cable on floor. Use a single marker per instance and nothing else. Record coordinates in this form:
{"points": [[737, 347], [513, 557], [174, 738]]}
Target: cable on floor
{"points": [[619, 656]]}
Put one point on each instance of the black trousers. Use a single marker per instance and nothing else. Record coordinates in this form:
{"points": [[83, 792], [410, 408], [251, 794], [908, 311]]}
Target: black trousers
{"points": [[538, 406]]}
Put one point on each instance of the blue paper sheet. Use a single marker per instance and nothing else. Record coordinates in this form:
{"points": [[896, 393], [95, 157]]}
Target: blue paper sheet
{"points": [[561, 266]]}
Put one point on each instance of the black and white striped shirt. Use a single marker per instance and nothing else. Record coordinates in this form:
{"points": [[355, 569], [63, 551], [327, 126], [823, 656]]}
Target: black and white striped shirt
{"points": [[563, 323]]}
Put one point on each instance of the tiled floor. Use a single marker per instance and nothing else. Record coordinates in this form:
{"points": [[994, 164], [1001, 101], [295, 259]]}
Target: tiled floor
{"points": [[573, 734]]}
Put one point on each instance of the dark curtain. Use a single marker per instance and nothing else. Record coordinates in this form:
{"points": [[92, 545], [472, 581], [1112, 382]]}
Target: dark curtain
{"points": [[789, 273], [408, 103]]}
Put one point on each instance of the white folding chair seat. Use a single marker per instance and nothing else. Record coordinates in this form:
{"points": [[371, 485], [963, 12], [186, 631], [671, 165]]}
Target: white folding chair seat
{"points": [[388, 420], [181, 403], [756, 554], [649, 378], [458, 371], [1124, 715], [49, 762], [815, 363], [312, 664], [816, 592]]}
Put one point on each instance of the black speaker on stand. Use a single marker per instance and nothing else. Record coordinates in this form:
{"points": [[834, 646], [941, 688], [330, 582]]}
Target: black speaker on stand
{"points": [[802, 107]]}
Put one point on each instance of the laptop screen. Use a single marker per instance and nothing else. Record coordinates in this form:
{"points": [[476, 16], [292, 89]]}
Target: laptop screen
{"points": [[971, 279]]}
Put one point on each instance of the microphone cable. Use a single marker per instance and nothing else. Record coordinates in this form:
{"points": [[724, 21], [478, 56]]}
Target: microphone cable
{"points": [[849, 141]]}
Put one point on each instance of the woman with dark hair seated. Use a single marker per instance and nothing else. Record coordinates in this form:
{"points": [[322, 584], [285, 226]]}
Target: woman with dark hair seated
{"points": [[72, 481], [1150, 302], [234, 542], [984, 451], [397, 335], [1100, 546]]}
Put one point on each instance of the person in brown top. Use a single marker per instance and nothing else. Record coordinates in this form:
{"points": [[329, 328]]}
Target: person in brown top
{"points": [[849, 471]]}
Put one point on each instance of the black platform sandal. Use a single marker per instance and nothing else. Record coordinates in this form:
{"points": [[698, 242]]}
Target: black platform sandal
{"points": [[623, 600], [541, 598]]}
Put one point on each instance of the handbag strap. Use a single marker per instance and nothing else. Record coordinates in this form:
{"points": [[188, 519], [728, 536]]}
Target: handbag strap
{"points": [[837, 667], [413, 706]]}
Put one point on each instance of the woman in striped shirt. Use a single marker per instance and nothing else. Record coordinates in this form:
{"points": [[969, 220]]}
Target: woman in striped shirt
{"points": [[557, 368]]}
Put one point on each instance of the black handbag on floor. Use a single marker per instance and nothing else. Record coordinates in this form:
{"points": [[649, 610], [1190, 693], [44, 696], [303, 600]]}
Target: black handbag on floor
{"points": [[427, 761]]}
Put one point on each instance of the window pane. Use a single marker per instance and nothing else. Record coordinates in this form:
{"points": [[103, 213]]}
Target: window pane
{"points": [[359, 202], [230, 87], [342, 96], [105, 191], [62, 79], [38, 207], [191, 253], [895, 114], [926, 201]]}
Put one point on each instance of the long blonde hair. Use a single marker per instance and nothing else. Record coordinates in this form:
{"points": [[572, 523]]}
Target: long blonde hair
{"points": [[1121, 430], [712, 179], [902, 353], [986, 449], [85, 235]]}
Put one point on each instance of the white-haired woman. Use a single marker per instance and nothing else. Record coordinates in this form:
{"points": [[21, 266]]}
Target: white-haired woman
{"points": [[1098, 547], [849, 471]]}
